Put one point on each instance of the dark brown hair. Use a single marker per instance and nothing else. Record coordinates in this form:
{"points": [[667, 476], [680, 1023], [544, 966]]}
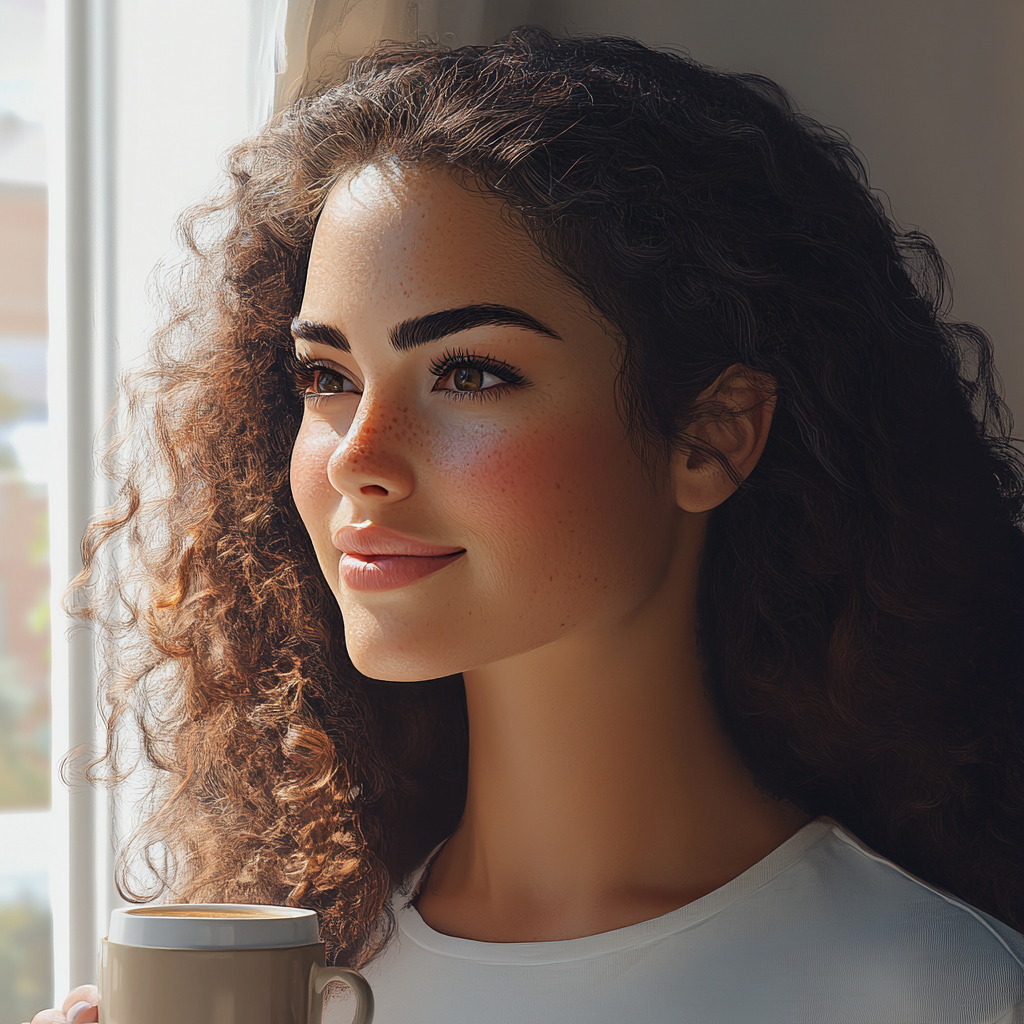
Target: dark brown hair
{"points": [[862, 593]]}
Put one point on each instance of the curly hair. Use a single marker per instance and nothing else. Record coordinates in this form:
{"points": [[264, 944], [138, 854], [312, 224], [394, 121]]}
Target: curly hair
{"points": [[861, 595]]}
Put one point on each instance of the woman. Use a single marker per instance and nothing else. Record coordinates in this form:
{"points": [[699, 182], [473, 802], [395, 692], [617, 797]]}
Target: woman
{"points": [[556, 503]]}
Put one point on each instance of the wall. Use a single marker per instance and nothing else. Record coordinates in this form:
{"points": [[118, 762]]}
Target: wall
{"points": [[930, 91]]}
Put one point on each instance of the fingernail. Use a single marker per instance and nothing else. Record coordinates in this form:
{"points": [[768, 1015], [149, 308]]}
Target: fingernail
{"points": [[77, 1010]]}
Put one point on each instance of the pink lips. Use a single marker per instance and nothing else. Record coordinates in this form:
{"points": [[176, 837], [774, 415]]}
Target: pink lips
{"points": [[375, 558]]}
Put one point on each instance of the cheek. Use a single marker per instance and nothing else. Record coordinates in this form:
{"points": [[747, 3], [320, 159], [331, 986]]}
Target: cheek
{"points": [[566, 481], [568, 528], [311, 490]]}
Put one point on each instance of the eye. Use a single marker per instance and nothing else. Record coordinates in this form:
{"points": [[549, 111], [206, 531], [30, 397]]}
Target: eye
{"points": [[316, 380], [472, 378], [330, 382], [462, 375]]}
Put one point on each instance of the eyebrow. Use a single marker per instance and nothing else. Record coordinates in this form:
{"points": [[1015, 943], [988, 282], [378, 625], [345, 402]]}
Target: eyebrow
{"points": [[433, 326], [421, 330], [319, 334]]}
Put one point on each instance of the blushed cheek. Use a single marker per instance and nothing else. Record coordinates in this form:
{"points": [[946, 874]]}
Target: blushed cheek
{"points": [[552, 478]]}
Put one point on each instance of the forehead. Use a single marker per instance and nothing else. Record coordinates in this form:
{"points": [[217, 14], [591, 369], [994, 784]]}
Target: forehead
{"points": [[389, 198], [415, 240]]}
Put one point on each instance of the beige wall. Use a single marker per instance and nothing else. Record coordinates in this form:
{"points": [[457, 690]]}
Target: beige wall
{"points": [[930, 91]]}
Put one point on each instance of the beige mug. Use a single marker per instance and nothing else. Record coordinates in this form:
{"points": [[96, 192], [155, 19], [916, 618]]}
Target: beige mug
{"points": [[219, 964]]}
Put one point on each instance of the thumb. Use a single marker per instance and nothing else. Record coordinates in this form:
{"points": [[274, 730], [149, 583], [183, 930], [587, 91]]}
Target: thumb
{"points": [[82, 1005]]}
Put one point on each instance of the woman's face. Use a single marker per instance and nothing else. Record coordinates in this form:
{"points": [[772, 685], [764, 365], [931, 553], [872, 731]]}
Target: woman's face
{"points": [[469, 488]]}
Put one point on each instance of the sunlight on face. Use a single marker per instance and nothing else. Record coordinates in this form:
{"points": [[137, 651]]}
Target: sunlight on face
{"points": [[467, 483]]}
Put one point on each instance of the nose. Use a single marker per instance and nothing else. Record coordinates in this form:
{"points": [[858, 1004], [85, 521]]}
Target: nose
{"points": [[371, 463]]}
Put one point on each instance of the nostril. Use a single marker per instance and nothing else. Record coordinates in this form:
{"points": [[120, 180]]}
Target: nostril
{"points": [[374, 489]]}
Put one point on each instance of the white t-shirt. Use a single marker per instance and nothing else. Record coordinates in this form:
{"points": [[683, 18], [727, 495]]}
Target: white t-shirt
{"points": [[822, 931]]}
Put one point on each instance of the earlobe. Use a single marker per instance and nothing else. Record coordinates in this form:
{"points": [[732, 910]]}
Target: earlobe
{"points": [[730, 431]]}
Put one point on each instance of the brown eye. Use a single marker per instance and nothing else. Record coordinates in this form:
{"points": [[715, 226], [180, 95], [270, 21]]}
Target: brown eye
{"points": [[468, 378], [474, 376], [328, 382]]}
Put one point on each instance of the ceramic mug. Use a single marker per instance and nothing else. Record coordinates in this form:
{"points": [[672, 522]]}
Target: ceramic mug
{"points": [[219, 964]]}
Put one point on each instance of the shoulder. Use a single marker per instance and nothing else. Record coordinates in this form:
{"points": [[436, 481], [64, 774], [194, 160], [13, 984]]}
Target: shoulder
{"points": [[854, 873], [871, 927]]}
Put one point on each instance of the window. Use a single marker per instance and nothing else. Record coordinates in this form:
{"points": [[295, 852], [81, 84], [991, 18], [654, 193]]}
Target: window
{"points": [[25, 929]]}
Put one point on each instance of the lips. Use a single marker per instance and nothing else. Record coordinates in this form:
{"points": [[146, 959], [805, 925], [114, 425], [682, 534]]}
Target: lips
{"points": [[375, 558]]}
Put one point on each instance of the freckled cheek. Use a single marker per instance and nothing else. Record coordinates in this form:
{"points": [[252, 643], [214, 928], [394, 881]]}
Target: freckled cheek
{"points": [[549, 483]]}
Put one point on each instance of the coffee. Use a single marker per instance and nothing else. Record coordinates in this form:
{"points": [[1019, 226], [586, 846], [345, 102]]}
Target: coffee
{"points": [[207, 911], [214, 926], [219, 964]]}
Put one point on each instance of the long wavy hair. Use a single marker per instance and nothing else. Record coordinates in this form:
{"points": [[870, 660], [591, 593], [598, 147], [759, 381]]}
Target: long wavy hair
{"points": [[862, 593]]}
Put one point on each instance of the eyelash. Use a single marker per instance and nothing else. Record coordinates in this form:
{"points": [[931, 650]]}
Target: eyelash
{"points": [[458, 359], [304, 370]]}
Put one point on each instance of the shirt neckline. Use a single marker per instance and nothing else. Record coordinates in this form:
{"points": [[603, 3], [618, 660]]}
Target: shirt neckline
{"points": [[413, 927]]}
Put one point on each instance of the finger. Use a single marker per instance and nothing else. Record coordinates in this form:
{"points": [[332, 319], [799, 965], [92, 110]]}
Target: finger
{"points": [[49, 1017], [88, 994], [83, 1013]]}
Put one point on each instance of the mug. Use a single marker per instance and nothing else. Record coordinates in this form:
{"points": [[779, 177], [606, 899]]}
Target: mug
{"points": [[219, 964]]}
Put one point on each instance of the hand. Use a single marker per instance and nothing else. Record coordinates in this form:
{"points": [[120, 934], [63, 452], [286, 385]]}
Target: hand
{"points": [[80, 1007]]}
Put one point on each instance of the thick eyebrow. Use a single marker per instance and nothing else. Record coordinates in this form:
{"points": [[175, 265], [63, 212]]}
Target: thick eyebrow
{"points": [[433, 326], [319, 334]]}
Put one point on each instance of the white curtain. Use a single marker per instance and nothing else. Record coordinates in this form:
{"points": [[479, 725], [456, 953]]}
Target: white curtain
{"points": [[320, 36]]}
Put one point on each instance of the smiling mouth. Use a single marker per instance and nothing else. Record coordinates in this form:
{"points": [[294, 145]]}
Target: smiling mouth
{"points": [[367, 572]]}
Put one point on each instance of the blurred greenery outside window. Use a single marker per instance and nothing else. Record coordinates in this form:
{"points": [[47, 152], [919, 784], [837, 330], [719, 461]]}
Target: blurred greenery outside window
{"points": [[25, 924]]}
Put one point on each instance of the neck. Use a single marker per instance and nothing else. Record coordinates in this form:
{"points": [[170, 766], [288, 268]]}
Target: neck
{"points": [[602, 790]]}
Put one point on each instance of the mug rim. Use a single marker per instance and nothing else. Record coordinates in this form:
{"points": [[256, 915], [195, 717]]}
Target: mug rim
{"points": [[289, 926]]}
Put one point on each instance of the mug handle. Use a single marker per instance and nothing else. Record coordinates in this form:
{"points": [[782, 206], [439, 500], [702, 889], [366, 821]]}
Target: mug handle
{"points": [[323, 976]]}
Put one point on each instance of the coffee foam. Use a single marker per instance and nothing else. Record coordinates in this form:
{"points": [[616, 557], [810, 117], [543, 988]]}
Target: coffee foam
{"points": [[213, 926], [225, 913]]}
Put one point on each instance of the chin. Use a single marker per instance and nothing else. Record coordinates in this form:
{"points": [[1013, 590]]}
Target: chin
{"points": [[399, 655], [388, 666], [413, 644]]}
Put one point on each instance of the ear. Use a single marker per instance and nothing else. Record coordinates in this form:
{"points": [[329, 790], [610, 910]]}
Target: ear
{"points": [[737, 414]]}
